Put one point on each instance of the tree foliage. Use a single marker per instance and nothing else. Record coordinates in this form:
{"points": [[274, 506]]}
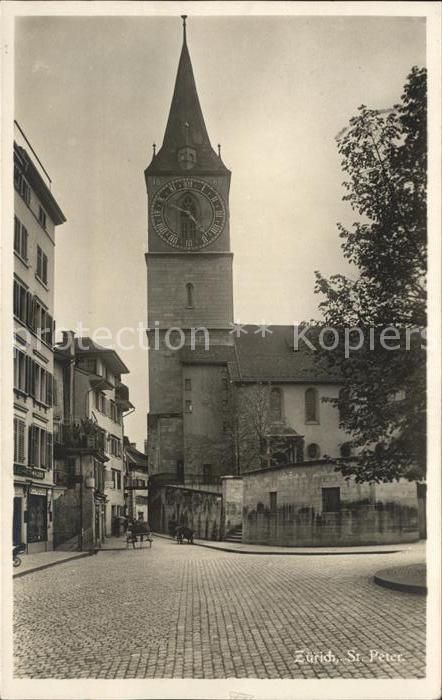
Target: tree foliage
{"points": [[384, 158]]}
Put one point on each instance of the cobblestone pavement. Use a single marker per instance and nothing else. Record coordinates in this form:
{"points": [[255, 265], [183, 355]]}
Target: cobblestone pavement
{"points": [[181, 611]]}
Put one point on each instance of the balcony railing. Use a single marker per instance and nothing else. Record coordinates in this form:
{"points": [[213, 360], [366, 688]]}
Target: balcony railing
{"points": [[122, 396], [84, 434]]}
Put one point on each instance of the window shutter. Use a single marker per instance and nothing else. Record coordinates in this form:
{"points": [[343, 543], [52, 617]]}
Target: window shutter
{"points": [[39, 261], [15, 440], [45, 269], [16, 235], [32, 441], [32, 374], [49, 391], [21, 441], [29, 300], [24, 243], [54, 392], [49, 450]]}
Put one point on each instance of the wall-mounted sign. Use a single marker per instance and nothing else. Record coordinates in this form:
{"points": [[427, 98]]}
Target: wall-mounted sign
{"points": [[37, 491]]}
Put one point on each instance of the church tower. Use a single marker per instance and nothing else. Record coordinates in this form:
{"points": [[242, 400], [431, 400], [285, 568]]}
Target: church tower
{"points": [[189, 267]]}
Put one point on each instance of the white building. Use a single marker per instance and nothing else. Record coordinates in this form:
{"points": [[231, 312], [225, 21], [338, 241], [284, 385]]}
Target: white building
{"points": [[36, 214]]}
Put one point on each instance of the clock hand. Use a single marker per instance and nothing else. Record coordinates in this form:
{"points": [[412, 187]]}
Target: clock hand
{"points": [[178, 208], [197, 224]]}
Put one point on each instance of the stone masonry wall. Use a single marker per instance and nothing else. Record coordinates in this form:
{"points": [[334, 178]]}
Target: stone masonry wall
{"points": [[377, 514], [199, 510]]}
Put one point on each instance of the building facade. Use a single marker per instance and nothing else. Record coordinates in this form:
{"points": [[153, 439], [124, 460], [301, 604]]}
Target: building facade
{"points": [[90, 402], [36, 216], [135, 483]]}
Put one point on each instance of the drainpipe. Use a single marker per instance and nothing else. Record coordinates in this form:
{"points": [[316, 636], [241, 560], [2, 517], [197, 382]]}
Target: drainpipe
{"points": [[81, 504]]}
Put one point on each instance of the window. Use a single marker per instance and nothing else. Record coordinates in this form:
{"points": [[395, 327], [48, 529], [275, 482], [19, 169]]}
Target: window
{"points": [[225, 427], [40, 321], [20, 371], [313, 451], [225, 382], [276, 404], [180, 470], [88, 364], [21, 185], [114, 479], [311, 406], [207, 472], [20, 239], [189, 296], [40, 447], [115, 446], [40, 384], [119, 481], [331, 500], [19, 440], [42, 217], [273, 496], [188, 384], [42, 266], [188, 405], [22, 300], [345, 449]]}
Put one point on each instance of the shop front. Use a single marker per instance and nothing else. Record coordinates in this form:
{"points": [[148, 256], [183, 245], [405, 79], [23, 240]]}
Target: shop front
{"points": [[39, 518]]}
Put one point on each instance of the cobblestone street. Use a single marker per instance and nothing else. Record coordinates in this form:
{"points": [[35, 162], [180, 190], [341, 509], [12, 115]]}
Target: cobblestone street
{"points": [[183, 611]]}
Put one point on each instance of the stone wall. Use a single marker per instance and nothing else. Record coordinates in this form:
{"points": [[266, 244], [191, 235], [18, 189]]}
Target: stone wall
{"points": [[232, 493], [67, 511], [368, 514], [170, 506]]}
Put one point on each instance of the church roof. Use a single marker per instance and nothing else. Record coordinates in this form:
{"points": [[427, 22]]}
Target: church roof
{"points": [[272, 357], [268, 358], [186, 126]]}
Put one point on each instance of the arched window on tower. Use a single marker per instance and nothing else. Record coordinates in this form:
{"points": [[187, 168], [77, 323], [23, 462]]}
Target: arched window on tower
{"points": [[189, 295], [188, 219], [311, 406], [276, 403]]}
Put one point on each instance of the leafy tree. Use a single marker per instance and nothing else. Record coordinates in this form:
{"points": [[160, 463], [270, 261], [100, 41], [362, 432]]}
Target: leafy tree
{"points": [[383, 402]]}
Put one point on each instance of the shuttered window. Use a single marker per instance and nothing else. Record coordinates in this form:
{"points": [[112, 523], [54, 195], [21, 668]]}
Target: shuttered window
{"points": [[42, 265], [19, 440], [40, 449], [20, 239]]}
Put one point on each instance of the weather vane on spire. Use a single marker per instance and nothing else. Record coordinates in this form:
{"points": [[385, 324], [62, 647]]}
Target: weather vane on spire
{"points": [[184, 17]]}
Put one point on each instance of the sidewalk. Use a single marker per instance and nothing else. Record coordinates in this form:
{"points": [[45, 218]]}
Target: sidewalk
{"points": [[411, 578], [43, 560], [242, 548]]}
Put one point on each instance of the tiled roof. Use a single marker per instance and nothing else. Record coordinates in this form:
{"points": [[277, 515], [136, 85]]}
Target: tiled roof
{"points": [[273, 357], [265, 358]]}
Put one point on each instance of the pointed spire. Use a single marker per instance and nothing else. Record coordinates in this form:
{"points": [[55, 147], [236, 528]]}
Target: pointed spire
{"points": [[184, 17], [185, 125]]}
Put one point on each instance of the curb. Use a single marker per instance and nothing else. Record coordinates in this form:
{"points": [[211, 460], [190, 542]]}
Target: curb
{"points": [[395, 585], [280, 554], [49, 564]]}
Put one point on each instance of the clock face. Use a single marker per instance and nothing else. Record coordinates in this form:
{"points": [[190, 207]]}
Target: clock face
{"points": [[188, 213]]}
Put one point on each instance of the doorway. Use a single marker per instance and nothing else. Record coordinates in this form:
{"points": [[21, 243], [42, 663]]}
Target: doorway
{"points": [[17, 520]]}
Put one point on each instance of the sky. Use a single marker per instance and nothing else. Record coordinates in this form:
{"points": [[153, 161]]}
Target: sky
{"points": [[92, 95]]}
